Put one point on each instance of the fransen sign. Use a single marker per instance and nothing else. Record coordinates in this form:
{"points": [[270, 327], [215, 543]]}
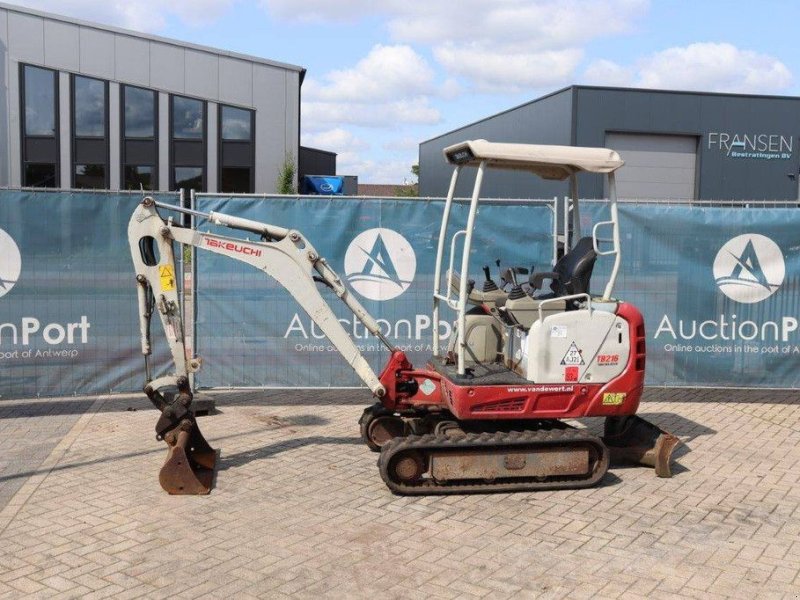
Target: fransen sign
{"points": [[29, 337], [379, 265], [747, 269], [766, 146]]}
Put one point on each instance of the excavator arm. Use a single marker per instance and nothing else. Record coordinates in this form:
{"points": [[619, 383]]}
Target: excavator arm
{"points": [[283, 254]]}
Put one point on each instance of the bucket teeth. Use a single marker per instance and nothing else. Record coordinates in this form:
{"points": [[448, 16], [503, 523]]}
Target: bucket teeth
{"points": [[632, 440], [191, 463]]}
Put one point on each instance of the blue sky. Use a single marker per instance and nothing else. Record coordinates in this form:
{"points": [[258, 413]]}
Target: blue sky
{"points": [[384, 75]]}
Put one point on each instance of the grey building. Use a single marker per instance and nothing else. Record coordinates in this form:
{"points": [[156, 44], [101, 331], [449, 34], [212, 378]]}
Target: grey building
{"points": [[676, 145], [88, 106]]}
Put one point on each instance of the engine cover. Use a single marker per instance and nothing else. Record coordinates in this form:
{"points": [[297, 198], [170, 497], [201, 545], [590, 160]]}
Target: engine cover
{"points": [[579, 346]]}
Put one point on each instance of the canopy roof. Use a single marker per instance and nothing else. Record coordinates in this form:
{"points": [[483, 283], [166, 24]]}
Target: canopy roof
{"points": [[549, 162]]}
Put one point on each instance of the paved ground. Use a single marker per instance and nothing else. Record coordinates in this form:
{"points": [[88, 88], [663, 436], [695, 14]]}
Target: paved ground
{"points": [[300, 510]]}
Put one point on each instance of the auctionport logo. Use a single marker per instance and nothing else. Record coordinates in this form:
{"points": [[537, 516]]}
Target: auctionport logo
{"points": [[380, 264], [10, 263], [749, 268]]}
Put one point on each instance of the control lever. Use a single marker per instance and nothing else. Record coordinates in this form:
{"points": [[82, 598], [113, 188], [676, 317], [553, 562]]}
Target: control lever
{"points": [[488, 285]]}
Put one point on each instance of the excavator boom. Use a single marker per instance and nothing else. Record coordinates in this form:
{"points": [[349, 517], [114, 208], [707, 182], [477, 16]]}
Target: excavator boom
{"points": [[283, 254]]}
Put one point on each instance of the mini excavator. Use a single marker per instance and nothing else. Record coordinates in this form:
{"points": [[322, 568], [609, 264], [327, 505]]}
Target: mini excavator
{"points": [[488, 412]]}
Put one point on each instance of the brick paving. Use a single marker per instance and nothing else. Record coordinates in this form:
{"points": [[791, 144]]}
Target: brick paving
{"points": [[300, 511]]}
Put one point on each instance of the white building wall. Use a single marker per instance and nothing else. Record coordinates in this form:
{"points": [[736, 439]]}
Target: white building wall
{"points": [[122, 57]]}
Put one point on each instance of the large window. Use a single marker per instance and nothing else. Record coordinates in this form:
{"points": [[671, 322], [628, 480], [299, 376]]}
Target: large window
{"points": [[89, 132], [139, 138], [187, 143], [39, 101], [236, 150]]}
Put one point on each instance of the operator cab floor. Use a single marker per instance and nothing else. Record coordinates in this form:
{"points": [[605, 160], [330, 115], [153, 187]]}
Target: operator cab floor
{"points": [[478, 373]]}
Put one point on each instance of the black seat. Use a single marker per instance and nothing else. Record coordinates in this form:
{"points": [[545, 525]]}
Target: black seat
{"points": [[571, 273]]}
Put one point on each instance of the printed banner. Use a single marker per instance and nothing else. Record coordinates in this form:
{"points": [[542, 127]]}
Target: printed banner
{"points": [[68, 316], [719, 289]]}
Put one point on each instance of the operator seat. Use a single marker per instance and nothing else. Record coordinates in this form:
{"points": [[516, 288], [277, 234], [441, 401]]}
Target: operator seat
{"points": [[571, 273]]}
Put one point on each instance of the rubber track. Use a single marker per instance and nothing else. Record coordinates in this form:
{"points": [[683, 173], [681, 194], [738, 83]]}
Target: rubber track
{"points": [[504, 441]]}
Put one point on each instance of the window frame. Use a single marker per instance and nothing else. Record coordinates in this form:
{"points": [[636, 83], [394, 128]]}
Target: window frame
{"points": [[238, 142], [75, 139], [203, 141], [24, 160], [123, 138]]}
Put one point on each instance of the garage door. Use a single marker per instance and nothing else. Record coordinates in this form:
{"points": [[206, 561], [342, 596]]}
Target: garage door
{"points": [[660, 167]]}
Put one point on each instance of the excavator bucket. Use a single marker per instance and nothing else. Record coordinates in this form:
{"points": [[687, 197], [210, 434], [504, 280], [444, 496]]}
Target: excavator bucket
{"points": [[191, 463], [632, 440]]}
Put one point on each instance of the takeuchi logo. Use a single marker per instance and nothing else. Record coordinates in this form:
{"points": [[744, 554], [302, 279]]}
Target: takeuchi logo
{"points": [[380, 264], [10, 263], [749, 268]]}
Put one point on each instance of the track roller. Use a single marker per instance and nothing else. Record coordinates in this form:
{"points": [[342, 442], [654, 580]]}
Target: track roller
{"points": [[379, 425]]}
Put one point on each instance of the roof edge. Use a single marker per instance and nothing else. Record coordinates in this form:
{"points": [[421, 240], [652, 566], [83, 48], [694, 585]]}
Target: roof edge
{"points": [[147, 36], [502, 112], [577, 88]]}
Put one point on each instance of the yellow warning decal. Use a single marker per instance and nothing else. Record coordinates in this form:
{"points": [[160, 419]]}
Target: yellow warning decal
{"points": [[614, 399], [167, 275]]}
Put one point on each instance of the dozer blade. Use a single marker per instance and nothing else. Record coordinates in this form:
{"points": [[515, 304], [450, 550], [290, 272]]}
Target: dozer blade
{"points": [[190, 465], [632, 440]]}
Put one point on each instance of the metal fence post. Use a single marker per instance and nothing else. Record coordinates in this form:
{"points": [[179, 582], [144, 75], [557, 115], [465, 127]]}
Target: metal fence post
{"points": [[193, 287], [182, 271]]}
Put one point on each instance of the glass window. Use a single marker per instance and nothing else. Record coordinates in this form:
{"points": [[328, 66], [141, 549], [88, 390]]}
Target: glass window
{"points": [[138, 177], [236, 123], [40, 101], [235, 180], [140, 113], [40, 175], [90, 176], [187, 118], [89, 107], [189, 178]]}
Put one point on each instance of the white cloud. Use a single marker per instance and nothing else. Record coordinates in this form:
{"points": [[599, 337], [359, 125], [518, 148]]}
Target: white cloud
{"points": [[501, 46], [336, 140], [141, 15], [381, 114], [389, 87], [546, 24], [402, 144], [318, 10], [450, 89], [607, 72], [372, 171], [508, 71], [708, 66], [387, 72]]}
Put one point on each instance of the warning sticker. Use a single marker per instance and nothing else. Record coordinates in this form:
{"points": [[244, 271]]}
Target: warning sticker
{"points": [[558, 331], [427, 387], [614, 398], [573, 356], [167, 275], [570, 373]]}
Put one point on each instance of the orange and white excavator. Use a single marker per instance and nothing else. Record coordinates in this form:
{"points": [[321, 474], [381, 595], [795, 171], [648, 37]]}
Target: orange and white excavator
{"points": [[488, 412]]}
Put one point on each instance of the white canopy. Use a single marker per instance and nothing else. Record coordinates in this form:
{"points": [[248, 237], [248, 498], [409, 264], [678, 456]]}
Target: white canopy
{"points": [[549, 162]]}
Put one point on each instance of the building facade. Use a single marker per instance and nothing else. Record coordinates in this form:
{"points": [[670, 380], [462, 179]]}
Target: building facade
{"points": [[88, 106], [676, 145]]}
